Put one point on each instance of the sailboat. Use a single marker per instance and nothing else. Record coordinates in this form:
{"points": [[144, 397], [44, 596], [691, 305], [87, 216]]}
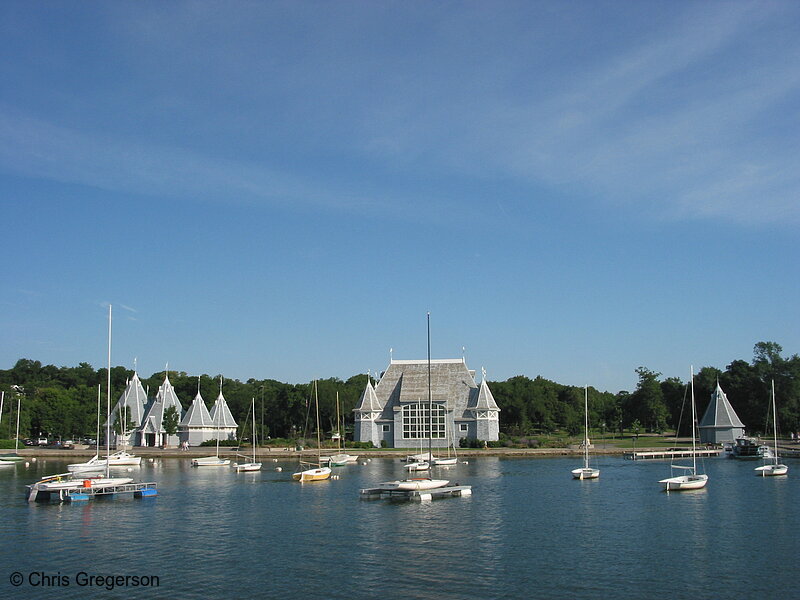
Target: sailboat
{"points": [[692, 480], [251, 466], [313, 471], [341, 458], [10, 459], [775, 468], [214, 461], [586, 472], [63, 482], [420, 483]]}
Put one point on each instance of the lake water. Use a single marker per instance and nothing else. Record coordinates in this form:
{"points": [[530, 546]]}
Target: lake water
{"points": [[528, 531]]}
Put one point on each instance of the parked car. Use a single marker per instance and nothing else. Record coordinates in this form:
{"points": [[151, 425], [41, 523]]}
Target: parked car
{"points": [[42, 441], [68, 445], [28, 442]]}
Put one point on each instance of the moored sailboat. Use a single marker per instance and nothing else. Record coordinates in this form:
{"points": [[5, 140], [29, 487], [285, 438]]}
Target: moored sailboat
{"points": [[216, 460], [252, 465], [774, 468], [692, 480], [586, 472], [313, 471]]}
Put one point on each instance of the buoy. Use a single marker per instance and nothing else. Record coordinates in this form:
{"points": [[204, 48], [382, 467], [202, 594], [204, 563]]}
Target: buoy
{"points": [[278, 469], [150, 459], [274, 460], [130, 469], [466, 462], [27, 464], [33, 459], [87, 483]]}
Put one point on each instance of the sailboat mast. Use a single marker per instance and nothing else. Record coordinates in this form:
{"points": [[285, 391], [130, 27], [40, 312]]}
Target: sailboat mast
{"points": [[586, 426], [16, 436], [430, 395], [694, 419], [316, 406], [774, 424], [254, 429], [108, 397]]}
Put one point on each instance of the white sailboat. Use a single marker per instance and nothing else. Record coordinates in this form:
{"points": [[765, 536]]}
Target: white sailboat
{"points": [[421, 483], [214, 461], [775, 468], [11, 459], [253, 465], [76, 479], [692, 480], [312, 471], [341, 458], [586, 472]]}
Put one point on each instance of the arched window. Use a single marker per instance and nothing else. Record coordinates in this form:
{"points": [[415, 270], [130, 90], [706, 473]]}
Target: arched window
{"points": [[416, 418]]}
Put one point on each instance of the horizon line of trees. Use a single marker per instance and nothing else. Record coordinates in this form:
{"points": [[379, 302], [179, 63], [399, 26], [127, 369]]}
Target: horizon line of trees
{"points": [[62, 401]]}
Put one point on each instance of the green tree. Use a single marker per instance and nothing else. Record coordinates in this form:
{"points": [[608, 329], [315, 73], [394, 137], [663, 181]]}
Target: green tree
{"points": [[170, 421]]}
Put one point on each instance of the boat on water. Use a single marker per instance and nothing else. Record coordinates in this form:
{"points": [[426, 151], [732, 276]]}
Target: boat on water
{"points": [[216, 460], [413, 484], [341, 458], [12, 459], [774, 468], [586, 471], [692, 480], [120, 458], [250, 465], [749, 448], [421, 461], [313, 471]]}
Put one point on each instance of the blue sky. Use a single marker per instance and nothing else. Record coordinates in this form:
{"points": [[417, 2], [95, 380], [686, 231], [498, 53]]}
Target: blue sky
{"points": [[284, 189]]}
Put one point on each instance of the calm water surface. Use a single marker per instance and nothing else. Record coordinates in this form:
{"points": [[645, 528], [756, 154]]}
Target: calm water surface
{"points": [[529, 531]]}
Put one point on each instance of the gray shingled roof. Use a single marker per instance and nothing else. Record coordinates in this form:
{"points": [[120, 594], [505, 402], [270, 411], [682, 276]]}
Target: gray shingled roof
{"points": [[221, 416], [720, 413], [133, 399], [484, 400], [165, 398], [368, 401], [197, 414], [406, 381]]}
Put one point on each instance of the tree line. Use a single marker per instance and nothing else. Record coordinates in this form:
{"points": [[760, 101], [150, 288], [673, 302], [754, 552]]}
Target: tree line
{"points": [[62, 401]]}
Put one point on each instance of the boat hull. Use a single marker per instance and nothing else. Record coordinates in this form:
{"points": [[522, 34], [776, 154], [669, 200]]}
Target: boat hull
{"points": [[685, 482], [586, 473], [312, 475], [210, 461], [417, 466], [248, 467], [410, 485], [444, 462], [772, 470]]}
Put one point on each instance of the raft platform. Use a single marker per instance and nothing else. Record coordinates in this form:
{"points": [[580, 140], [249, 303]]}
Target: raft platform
{"points": [[417, 495], [83, 494], [670, 454]]}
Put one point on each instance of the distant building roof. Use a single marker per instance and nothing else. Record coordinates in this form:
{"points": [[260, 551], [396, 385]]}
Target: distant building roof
{"points": [[720, 413], [221, 416], [154, 414], [484, 400], [197, 414], [368, 401], [132, 401]]}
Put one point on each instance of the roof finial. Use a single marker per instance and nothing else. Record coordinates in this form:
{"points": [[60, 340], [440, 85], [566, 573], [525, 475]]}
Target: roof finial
{"points": [[463, 355], [391, 353], [483, 372]]}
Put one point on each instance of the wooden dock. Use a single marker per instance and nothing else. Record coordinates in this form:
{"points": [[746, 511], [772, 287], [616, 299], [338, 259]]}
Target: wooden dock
{"points": [[418, 495], [671, 453]]}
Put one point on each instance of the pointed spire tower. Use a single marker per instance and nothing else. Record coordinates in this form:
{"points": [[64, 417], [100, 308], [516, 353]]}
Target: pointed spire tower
{"points": [[485, 411], [720, 423], [152, 429], [129, 408], [221, 417], [367, 411], [197, 426]]}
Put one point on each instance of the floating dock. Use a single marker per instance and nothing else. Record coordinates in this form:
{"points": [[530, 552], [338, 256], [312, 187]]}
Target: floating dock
{"points": [[80, 493], [670, 453], [418, 495]]}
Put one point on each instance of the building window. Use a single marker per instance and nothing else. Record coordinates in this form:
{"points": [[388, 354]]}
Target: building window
{"points": [[416, 418], [386, 429], [463, 427]]}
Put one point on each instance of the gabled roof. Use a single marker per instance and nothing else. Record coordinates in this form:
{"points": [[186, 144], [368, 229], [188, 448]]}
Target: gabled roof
{"points": [[154, 414], [132, 401], [484, 399], [221, 416], [406, 381], [368, 401], [720, 413], [197, 414]]}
